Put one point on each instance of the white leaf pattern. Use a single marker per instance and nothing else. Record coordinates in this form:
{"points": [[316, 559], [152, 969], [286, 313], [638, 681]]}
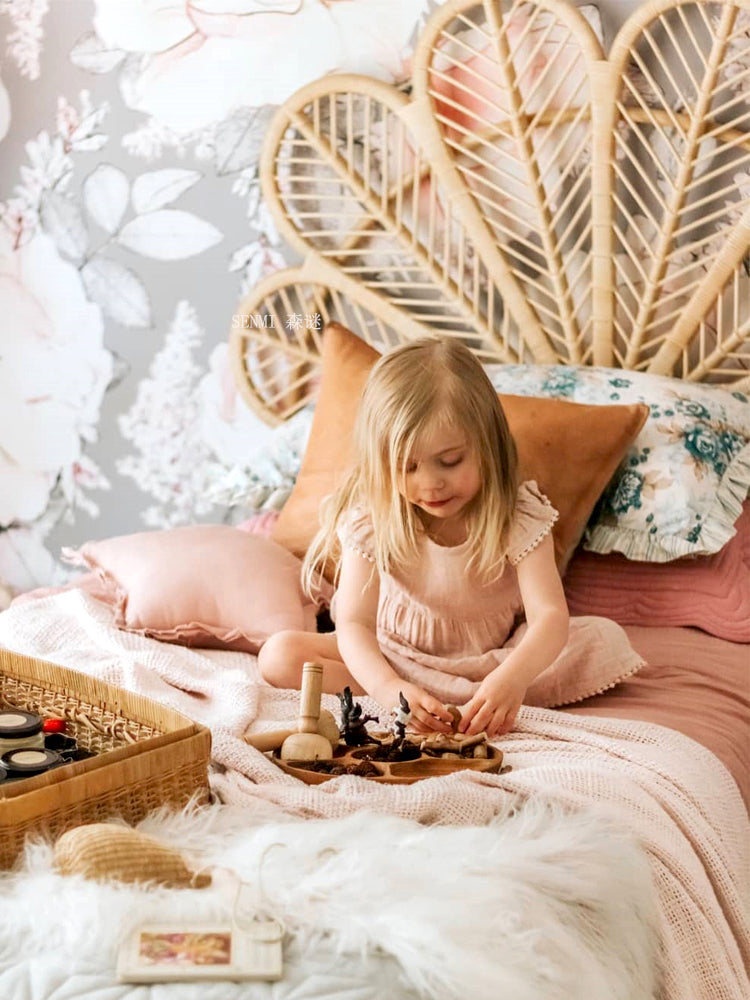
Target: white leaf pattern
{"points": [[62, 219], [105, 194], [158, 188], [169, 235], [91, 54], [118, 290], [91, 144], [239, 139]]}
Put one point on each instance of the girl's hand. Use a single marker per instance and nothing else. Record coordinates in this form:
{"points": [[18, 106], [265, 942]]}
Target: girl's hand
{"points": [[428, 715], [495, 705]]}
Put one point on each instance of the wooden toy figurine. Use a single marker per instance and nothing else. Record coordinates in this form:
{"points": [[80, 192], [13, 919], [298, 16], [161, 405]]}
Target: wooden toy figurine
{"points": [[401, 715], [307, 743], [353, 723]]}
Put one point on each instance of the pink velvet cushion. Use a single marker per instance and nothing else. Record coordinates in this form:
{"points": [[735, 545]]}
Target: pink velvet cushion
{"points": [[204, 585], [707, 592]]}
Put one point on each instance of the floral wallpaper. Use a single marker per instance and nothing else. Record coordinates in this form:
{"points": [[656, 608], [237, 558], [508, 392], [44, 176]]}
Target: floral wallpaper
{"points": [[130, 224]]}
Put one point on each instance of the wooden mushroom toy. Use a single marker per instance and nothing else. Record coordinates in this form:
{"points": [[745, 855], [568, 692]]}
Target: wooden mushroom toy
{"points": [[307, 743]]}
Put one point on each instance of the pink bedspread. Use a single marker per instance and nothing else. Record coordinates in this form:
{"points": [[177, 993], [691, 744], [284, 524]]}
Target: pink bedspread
{"points": [[694, 683], [674, 796]]}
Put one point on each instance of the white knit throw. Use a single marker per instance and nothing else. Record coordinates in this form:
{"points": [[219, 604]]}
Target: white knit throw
{"points": [[670, 792]]}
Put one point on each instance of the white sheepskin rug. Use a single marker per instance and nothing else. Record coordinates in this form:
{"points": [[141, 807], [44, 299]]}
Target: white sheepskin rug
{"points": [[537, 905]]}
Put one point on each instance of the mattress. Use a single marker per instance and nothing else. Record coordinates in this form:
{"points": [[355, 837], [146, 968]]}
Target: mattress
{"points": [[694, 683]]}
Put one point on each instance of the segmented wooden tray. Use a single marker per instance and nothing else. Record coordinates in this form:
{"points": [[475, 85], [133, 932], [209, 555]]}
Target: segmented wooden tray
{"points": [[398, 773]]}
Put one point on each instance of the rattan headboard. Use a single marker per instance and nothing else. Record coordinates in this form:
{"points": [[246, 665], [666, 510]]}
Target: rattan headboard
{"points": [[538, 200]]}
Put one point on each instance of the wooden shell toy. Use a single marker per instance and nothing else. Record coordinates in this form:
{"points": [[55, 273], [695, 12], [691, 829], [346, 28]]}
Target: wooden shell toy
{"points": [[108, 852]]}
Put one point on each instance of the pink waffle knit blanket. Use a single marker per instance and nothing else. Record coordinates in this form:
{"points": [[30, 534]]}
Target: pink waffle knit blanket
{"points": [[673, 794]]}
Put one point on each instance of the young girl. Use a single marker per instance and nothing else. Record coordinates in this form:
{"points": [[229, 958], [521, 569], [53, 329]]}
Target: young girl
{"points": [[438, 549]]}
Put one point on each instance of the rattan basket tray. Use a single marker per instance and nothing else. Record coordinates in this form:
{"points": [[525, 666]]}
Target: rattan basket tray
{"points": [[147, 755]]}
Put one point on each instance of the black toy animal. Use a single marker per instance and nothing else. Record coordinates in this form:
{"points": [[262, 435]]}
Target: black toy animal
{"points": [[353, 724]]}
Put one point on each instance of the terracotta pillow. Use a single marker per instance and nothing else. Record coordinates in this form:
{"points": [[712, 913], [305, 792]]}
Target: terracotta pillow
{"points": [[572, 450], [204, 585], [707, 592]]}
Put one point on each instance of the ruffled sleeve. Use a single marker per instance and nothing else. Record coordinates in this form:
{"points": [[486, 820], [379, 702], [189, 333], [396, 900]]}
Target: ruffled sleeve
{"points": [[533, 520], [355, 532]]}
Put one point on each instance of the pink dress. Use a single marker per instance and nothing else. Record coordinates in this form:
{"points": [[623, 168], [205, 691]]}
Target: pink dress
{"points": [[445, 630]]}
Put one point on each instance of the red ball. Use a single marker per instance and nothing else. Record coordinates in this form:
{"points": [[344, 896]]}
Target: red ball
{"points": [[53, 726]]}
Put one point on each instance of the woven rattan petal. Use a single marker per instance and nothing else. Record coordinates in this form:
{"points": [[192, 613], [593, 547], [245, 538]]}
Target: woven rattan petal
{"points": [[529, 195], [681, 212]]}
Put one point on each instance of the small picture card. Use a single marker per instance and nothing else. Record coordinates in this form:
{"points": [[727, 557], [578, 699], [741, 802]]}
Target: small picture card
{"points": [[187, 952]]}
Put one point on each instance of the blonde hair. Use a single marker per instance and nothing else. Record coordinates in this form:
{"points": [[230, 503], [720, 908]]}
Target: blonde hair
{"points": [[432, 381]]}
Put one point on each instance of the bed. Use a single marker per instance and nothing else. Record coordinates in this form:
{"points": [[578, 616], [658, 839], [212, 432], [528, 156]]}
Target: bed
{"points": [[561, 212], [693, 683]]}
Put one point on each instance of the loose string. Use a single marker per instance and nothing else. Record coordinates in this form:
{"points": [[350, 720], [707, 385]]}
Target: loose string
{"points": [[262, 910], [262, 906]]}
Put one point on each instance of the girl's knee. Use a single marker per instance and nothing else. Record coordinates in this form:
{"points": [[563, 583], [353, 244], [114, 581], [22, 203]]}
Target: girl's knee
{"points": [[280, 658]]}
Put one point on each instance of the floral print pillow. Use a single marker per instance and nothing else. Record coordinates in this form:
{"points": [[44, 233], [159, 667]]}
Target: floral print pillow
{"points": [[266, 480], [681, 486]]}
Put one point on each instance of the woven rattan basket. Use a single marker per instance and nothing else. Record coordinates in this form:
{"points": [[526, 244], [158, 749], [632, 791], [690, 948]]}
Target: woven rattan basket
{"points": [[147, 755]]}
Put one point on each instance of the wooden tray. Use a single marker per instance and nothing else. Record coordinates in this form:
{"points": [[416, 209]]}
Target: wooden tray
{"points": [[404, 772]]}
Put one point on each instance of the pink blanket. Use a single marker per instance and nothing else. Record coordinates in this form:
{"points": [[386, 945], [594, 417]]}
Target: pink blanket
{"points": [[692, 682], [675, 795]]}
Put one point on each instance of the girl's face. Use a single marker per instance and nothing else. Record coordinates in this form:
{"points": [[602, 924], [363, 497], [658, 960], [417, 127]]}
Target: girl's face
{"points": [[442, 475]]}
